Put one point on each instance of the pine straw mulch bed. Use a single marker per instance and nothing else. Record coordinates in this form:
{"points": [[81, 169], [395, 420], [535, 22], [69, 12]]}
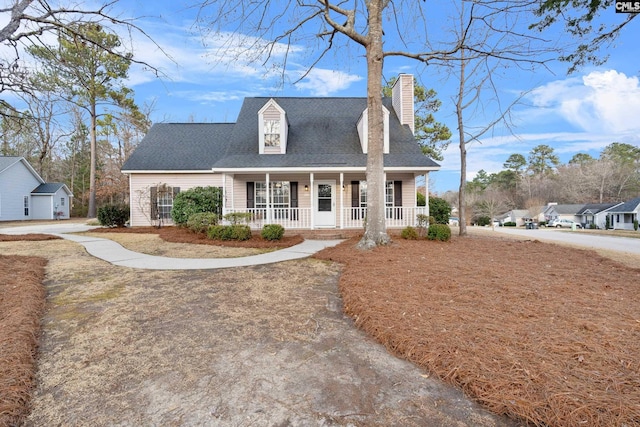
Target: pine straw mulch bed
{"points": [[33, 237], [540, 332], [22, 303]]}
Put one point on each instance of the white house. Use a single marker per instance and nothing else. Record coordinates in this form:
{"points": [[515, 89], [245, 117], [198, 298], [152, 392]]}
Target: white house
{"points": [[622, 216], [24, 195], [298, 162]]}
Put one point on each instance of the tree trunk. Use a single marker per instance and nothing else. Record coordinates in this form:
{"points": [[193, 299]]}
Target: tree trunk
{"points": [[376, 229], [91, 212], [462, 203]]}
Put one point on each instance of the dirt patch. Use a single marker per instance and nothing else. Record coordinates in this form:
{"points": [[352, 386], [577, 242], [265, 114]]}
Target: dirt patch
{"points": [[22, 302], [540, 332]]}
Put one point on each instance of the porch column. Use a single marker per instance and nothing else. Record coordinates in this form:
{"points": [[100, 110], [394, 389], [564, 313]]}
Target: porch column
{"points": [[224, 194], [341, 192], [426, 194], [311, 201], [268, 198], [233, 201]]}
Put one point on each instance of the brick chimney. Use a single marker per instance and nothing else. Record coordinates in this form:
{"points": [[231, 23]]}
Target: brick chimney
{"points": [[402, 100]]}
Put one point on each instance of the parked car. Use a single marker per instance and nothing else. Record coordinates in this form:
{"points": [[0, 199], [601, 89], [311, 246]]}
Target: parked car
{"points": [[562, 223]]}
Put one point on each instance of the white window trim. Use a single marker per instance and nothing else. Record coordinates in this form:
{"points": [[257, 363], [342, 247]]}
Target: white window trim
{"points": [[283, 129]]}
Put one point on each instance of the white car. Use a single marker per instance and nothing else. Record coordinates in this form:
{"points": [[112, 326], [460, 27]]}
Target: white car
{"points": [[558, 223]]}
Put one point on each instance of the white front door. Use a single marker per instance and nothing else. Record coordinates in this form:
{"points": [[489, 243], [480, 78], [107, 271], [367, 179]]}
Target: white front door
{"points": [[324, 204]]}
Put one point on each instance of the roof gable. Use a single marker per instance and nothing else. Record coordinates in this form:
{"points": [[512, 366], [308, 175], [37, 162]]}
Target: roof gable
{"points": [[6, 162]]}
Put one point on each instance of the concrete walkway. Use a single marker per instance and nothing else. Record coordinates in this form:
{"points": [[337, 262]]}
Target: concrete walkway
{"points": [[112, 252]]}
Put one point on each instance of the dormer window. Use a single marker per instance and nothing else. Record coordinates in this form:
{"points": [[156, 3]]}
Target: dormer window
{"points": [[273, 129], [272, 133]]}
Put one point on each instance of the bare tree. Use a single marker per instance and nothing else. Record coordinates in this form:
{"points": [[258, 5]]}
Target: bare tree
{"points": [[27, 21], [404, 28], [493, 202]]}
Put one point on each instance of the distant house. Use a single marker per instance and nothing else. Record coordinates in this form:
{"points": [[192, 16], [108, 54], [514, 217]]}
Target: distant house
{"points": [[622, 216], [595, 214], [24, 195], [518, 216], [298, 162], [560, 211]]}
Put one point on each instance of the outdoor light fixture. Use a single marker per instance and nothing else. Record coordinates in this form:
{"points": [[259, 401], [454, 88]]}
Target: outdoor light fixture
{"points": [[306, 188]]}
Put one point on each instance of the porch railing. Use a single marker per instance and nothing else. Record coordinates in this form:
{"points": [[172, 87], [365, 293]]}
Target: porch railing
{"points": [[300, 218], [289, 218], [396, 217]]}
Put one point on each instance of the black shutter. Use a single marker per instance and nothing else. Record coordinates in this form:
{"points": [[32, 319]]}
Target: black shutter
{"points": [[293, 189], [397, 193], [397, 198], [355, 199], [355, 194], [154, 203], [250, 195]]}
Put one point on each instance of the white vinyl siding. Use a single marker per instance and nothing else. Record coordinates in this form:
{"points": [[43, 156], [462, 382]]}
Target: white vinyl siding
{"points": [[16, 181]]}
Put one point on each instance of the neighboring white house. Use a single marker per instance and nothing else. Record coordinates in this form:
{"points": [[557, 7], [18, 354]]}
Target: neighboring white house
{"points": [[595, 214], [563, 211], [622, 216], [298, 162], [24, 195]]}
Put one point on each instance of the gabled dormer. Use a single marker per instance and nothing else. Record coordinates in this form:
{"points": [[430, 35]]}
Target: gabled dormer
{"points": [[363, 129], [273, 129]]}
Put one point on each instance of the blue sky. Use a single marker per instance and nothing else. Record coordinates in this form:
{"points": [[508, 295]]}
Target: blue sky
{"points": [[204, 81]]}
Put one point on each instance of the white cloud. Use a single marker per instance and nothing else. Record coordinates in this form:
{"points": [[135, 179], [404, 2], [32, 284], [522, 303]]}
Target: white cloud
{"points": [[322, 82], [600, 102]]}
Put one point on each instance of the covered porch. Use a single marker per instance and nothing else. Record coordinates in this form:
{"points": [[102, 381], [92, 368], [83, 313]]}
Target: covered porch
{"points": [[320, 200]]}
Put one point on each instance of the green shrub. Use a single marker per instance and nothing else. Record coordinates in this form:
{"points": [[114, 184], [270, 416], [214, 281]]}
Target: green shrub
{"points": [[483, 220], [196, 200], [229, 232], [509, 224], [409, 233], [113, 215], [272, 232], [200, 222], [440, 232], [238, 217], [440, 210], [421, 199], [542, 224], [635, 224], [593, 226]]}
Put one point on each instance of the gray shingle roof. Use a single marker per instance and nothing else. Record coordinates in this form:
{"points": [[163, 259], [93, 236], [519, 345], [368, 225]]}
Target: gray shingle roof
{"points": [[571, 209], [48, 188], [180, 146], [594, 208], [322, 133], [627, 207]]}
